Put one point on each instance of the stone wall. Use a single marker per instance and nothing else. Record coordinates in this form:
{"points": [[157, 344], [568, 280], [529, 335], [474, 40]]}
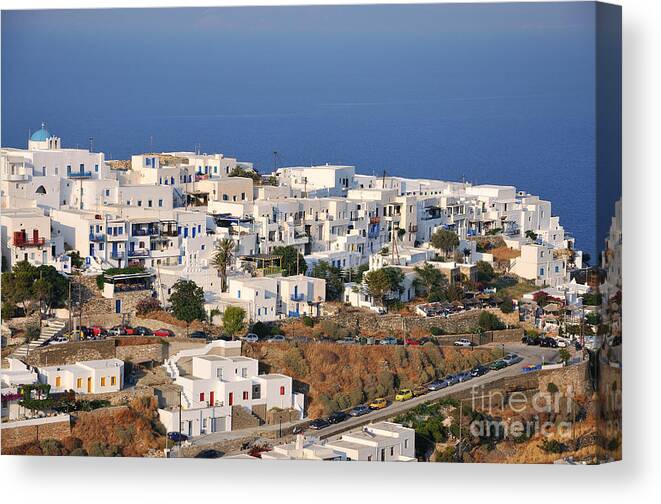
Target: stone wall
{"points": [[142, 353], [27, 431], [503, 336], [72, 352], [242, 418], [275, 416], [370, 322], [121, 397]]}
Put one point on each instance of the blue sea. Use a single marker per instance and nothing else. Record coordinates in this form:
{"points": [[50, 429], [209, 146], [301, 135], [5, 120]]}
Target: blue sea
{"points": [[493, 93]]}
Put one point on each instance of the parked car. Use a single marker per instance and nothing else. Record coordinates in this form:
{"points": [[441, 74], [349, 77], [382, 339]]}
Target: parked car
{"points": [[404, 395], [143, 331], [319, 423], [58, 340], [420, 390], [251, 338], [199, 335], [530, 340], [278, 338], [463, 342], [499, 364], [177, 437], [359, 411], [548, 342], [97, 330], [164, 333], [347, 341], [452, 379], [121, 330], [388, 341], [464, 376], [479, 371], [511, 359], [209, 454], [337, 417], [378, 403], [437, 385], [412, 342]]}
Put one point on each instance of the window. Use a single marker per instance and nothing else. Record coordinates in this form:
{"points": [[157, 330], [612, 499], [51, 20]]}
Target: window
{"points": [[369, 458], [79, 382], [244, 372], [256, 391], [160, 202], [219, 373], [103, 381], [139, 203], [383, 454], [230, 399], [58, 381], [201, 396], [149, 203], [245, 395], [282, 390], [96, 168], [392, 451], [107, 192], [113, 380]]}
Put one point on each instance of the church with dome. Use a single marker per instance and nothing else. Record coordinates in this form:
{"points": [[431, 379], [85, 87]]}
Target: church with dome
{"points": [[43, 140]]}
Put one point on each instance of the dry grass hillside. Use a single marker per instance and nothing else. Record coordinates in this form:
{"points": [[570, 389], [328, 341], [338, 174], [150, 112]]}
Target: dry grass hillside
{"points": [[340, 376]]}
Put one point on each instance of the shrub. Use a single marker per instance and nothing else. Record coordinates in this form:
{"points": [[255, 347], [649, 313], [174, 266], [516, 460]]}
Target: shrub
{"points": [[552, 388], [147, 305], [100, 281], [490, 322], [436, 331], [507, 306], [307, 321], [553, 446], [485, 272]]}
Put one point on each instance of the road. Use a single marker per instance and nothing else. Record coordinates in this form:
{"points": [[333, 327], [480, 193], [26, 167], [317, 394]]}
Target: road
{"points": [[530, 354]]}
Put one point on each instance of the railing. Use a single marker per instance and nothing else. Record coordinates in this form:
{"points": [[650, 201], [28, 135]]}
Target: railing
{"points": [[293, 314], [79, 174], [297, 297], [138, 252], [36, 242], [117, 255], [144, 232], [97, 237]]}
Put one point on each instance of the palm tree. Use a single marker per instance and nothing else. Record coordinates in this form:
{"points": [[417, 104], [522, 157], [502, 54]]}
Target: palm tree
{"points": [[222, 258]]}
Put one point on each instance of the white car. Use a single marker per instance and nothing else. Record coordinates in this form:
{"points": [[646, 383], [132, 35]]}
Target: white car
{"points": [[278, 338], [251, 338], [463, 342]]}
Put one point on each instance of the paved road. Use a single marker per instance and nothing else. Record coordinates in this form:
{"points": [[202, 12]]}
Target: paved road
{"points": [[530, 354]]}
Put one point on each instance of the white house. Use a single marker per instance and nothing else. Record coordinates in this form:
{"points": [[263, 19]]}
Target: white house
{"points": [[86, 377], [213, 385]]}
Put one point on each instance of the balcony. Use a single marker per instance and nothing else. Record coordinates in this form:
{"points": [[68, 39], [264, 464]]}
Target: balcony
{"points": [[293, 314], [138, 253], [117, 256], [144, 231], [97, 237], [297, 297], [79, 175], [25, 243]]}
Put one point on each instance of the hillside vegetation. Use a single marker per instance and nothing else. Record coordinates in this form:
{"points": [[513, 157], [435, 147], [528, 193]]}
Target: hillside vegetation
{"points": [[338, 376]]}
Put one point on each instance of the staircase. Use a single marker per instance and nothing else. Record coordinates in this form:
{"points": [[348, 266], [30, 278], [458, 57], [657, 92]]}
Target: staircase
{"points": [[49, 330]]}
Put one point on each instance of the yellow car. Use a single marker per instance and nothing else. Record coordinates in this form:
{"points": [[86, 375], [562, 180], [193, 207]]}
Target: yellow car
{"points": [[404, 395], [378, 403]]}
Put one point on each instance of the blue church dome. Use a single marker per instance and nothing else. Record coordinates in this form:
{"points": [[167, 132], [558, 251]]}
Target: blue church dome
{"points": [[40, 135]]}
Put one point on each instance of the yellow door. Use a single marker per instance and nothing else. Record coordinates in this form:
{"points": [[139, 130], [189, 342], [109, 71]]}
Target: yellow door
{"points": [[89, 385]]}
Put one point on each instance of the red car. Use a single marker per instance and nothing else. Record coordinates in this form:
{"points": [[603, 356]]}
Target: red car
{"points": [[412, 342], [164, 333], [97, 330]]}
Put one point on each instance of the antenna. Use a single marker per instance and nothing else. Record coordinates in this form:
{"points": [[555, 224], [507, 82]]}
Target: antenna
{"points": [[383, 183], [275, 160], [91, 144]]}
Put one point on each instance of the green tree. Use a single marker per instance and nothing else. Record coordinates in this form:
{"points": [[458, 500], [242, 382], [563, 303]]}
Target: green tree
{"points": [[531, 235], [333, 277], [564, 355], [378, 284], [222, 258], [292, 261], [233, 320], [490, 322], [76, 260], [17, 285], [187, 301], [485, 272], [445, 240], [430, 280]]}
